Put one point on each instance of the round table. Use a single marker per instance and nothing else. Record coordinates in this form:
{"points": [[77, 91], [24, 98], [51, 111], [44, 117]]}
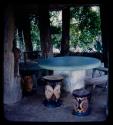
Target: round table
{"points": [[72, 68]]}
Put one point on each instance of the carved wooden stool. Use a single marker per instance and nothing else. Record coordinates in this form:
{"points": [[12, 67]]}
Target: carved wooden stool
{"points": [[27, 83], [53, 90], [81, 102]]}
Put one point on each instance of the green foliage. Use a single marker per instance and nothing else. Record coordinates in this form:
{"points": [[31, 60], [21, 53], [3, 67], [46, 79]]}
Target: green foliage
{"points": [[56, 40], [85, 27], [54, 18], [74, 35], [56, 28], [35, 34]]}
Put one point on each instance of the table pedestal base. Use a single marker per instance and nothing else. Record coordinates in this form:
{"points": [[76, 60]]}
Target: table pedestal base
{"points": [[72, 79], [52, 103], [80, 114]]}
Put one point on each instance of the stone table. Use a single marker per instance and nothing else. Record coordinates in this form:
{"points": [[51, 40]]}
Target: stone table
{"points": [[72, 68]]}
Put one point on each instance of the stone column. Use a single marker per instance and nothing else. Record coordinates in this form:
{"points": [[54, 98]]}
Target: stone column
{"points": [[12, 87]]}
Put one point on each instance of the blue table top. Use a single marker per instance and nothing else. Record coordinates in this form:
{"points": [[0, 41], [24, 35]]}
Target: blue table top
{"points": [[69, 63]]}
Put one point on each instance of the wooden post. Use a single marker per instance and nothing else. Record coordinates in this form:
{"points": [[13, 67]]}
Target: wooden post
{"points": [[26, 32], [23, 24], [12, 86], [44, 26], [65, 31], [19, 25], [105, 23]]}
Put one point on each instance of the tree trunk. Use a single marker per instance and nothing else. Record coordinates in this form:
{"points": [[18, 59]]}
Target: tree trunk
{"points": [[12, 86], [27, 34], [44, 26], [65, 31]]}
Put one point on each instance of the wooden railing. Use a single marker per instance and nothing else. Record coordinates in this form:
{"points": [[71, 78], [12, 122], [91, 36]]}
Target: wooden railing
{"points": [[93, 54], [31, 55]]}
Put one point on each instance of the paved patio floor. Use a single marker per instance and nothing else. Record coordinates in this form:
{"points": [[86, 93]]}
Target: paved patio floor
{"points": [[31, 109]]}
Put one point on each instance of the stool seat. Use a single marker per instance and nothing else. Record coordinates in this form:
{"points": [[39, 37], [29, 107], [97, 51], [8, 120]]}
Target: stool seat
{"points": [[53, 77], [80, 92]]}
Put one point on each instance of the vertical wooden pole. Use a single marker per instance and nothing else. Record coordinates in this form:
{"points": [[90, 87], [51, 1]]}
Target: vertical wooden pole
{"points": [[19, 25], [105, 24], [44, 26], [65, 31], [26, 32]]}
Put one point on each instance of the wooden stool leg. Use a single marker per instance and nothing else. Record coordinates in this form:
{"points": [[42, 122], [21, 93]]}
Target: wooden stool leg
{"points": [[35, 81], [92, 93], [93, 73]]}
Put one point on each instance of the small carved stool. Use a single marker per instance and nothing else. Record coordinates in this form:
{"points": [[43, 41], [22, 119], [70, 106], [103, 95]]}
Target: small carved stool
{"points": [[81, 102], [27, 83], [53, 90]]}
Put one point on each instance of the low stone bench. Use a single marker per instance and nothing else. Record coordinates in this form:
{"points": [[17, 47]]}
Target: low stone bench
{"points": [[100, 69], [101, 80], [52, 90]]}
